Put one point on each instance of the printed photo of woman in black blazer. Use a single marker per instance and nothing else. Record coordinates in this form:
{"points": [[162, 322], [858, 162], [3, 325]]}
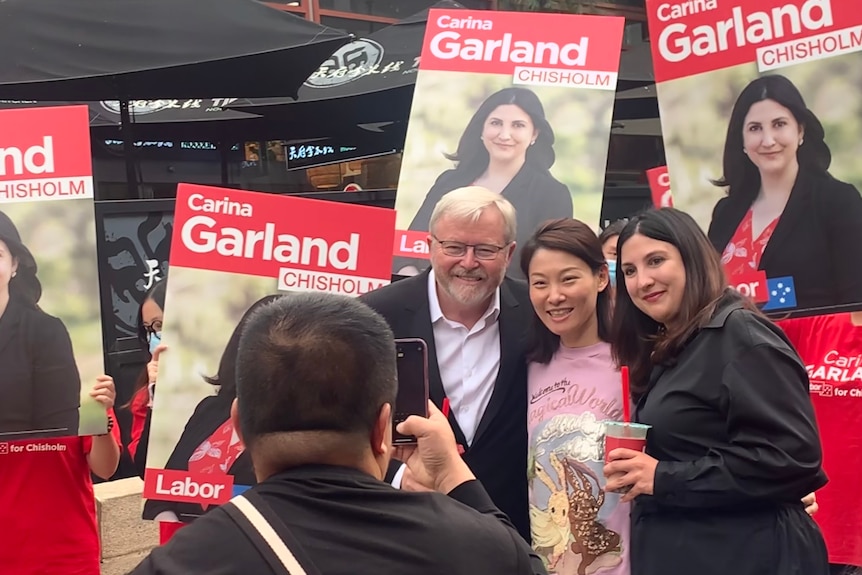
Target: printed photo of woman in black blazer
{"points": [[40, 386], [784, 213], [209, 443], [508, 148]]}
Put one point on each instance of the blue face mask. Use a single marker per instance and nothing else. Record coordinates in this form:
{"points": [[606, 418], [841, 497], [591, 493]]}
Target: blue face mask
{"points": [[155, 340], [612, 271]]}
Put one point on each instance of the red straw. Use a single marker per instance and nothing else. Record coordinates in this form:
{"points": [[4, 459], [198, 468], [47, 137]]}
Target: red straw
{"points": [[624, 372], [445, 409]]}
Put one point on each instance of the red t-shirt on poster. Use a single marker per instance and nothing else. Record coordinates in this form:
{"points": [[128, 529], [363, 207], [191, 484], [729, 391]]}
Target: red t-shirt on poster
{"points": [[831, 348], [47, 507]]}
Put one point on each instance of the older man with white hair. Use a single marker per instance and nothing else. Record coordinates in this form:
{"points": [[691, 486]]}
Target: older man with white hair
{"points": [[474, 320]]}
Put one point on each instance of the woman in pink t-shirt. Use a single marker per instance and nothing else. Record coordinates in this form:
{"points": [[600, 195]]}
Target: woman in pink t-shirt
{"points": [[574, 386]]}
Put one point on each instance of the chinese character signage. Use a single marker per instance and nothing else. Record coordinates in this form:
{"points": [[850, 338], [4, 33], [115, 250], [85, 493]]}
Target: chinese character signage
{"points": [[231, 251], [50, 318], [517, 102], [759, 103]]}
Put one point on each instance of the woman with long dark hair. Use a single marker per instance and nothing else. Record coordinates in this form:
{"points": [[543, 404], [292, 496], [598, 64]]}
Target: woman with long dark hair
{"points": [[508, 148], [40, 386], [209, 443], [784, 213], [573, 386], [734, 445]]}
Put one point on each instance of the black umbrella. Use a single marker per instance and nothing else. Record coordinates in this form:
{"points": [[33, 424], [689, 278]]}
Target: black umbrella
{"points": [[368, 81], [106, 113], [90, 50]]}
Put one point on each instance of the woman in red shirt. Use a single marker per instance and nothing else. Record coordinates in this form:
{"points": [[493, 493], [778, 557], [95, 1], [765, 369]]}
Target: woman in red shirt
{"points": [[47, 505]]}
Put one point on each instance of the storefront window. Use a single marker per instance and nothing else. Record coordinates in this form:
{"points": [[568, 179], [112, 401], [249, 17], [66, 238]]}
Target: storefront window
{"points": [[378, 173]]}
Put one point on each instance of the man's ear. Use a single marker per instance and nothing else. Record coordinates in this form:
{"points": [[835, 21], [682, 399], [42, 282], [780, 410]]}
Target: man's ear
{"points": [[234, 418], [381, 435]]}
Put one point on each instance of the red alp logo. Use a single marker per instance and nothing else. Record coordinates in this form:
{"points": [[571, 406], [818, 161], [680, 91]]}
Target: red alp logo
{"points": [[182, 486], [752, 285]]}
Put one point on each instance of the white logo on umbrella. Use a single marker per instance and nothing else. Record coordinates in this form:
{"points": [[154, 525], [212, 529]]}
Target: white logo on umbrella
{"points": [[350, 62]]}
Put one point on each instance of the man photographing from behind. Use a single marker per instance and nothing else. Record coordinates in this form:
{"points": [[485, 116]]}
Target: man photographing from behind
{"points": [[316, 381]]}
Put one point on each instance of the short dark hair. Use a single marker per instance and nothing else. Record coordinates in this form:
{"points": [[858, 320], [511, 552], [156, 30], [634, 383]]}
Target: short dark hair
{"points": [[638, 341], [471, 155], [314, 362], [578, 239], [740, 174]]}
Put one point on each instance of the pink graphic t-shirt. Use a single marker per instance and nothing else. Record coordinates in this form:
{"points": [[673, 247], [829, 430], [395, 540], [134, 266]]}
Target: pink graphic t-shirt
{"points": [[577, 528]]}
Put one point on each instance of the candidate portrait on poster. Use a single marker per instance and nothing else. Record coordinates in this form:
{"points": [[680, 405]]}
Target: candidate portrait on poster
{"points": [[40, 386], [232, 252], [760, 110], [519, 104], [50, 314], [208, 443], [776, 146], [508, 148]]}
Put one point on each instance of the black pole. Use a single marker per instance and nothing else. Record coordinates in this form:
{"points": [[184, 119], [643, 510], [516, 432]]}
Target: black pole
{"points": [[223, 149], [128, 149]]}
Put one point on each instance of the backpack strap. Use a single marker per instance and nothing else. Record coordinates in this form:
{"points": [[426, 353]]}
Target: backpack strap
{"points": [[269, 534]]}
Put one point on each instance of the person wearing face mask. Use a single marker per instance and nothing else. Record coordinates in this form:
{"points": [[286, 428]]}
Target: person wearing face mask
{"points": [[734, 444], [150, 317], [608, 239], [784, 213]]}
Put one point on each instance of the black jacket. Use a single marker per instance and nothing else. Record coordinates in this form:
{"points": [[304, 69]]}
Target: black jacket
{"points": [[498, 454], [818, 239], [734, 431], [349, 523], [208, 416], [40, 386], [535, 194]]}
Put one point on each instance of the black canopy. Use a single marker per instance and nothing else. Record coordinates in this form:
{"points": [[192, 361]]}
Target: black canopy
{"points": [[89, 50], [367, 81]]}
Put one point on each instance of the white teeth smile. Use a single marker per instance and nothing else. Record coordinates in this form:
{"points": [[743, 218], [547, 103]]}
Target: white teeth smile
{"points": [[560, 312]]}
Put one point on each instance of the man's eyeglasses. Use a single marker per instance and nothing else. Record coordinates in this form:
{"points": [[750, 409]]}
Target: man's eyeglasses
{"points": [[459, 249]]}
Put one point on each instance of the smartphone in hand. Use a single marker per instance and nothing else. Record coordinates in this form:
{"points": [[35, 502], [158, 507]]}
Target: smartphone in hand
{"points": [[412, 361]]}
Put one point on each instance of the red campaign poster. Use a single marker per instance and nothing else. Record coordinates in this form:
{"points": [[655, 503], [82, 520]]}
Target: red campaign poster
{"points": [[49, 283], [233, 251], [503, 93], [659, 187], [759, 103]]}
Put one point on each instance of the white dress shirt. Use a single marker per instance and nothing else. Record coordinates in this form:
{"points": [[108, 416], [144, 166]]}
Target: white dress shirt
{"points": [[469, 360]]}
